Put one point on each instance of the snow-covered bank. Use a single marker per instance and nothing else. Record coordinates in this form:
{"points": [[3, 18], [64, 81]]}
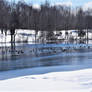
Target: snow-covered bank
{"points": [[24, 35], [48, 79], [20, 36]]}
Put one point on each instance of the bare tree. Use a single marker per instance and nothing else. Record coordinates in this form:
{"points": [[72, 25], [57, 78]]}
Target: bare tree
{"points": [[80, 22]]}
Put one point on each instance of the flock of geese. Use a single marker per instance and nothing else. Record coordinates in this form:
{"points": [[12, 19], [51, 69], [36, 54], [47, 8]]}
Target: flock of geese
{"points": [[41, 50]]}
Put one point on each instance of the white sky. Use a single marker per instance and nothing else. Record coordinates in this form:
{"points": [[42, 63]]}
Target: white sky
{"points": [[74, 3]]}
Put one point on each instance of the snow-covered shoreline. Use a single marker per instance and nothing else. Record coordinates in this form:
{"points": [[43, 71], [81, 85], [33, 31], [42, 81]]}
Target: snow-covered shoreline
{"points": [[48, 79]]}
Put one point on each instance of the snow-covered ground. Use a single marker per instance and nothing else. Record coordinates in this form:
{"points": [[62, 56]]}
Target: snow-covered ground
{"points": [[48, 79], [29, 35], [20, 35]]}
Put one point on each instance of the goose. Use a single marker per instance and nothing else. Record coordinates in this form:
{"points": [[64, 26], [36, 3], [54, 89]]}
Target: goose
{"points": [[22, 52], [64, 49], [88, 47]]}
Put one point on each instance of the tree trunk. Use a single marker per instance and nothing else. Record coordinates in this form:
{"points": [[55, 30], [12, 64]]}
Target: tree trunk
{"points": [[87, 36], [35, 36], [12, 39]]}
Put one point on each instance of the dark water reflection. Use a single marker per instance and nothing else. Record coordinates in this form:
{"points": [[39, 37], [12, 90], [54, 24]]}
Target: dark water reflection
{"points": [[25, 57]]}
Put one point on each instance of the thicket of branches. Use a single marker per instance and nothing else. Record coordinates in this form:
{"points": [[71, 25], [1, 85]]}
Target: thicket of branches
{"points": [[47, 18]]}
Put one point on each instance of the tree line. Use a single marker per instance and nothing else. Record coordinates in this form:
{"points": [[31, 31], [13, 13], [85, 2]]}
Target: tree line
{"points": [[47, 18]]}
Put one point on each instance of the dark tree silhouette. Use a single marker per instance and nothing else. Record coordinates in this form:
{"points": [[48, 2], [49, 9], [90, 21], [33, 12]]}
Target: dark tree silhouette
{"points": [[46, 19]]}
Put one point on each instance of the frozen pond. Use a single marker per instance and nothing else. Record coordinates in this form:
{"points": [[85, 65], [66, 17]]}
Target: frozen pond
{"points": [[37, 55]]}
